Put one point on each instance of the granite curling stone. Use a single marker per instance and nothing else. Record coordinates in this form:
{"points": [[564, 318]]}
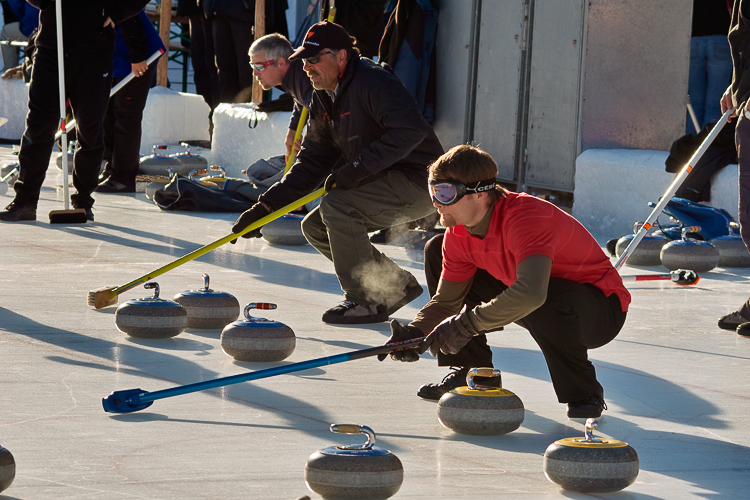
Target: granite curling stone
{"points": [[286, 230], [157, 164], [645, 254], [591, 465], [208, 309], [258, 339], [732, 251], [480, 410], [7, 468], [190, 160], [364, 472], [688, 253], [152, 317]]}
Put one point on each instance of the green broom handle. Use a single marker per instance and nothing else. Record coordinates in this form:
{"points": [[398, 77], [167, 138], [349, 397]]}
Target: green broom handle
{"points": [[226, 239]]}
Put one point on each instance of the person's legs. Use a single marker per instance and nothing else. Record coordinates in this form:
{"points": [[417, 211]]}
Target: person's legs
{"points": [[11, 33], [88, 80], [243, 37], [574, 318], [742, 139], [209, 56], [338, 229], [718, 74], [230, 37], [697, 82]]}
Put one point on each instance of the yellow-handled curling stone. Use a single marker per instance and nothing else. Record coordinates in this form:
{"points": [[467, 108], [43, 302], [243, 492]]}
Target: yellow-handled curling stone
{"points": [[362, 472], [258, 339], [7, 469], [151, 317], [591, 465], [208, 309], [480, 410], [286, 230]]}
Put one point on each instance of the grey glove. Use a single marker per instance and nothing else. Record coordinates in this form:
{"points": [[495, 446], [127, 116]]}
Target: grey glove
{"points": [[451, 335]]}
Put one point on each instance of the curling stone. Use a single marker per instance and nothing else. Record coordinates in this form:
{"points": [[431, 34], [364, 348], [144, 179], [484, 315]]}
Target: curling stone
{"points": [[364, 472], [258, 339], [157, 163], [7, 468], [71, 154], [480, 410], [732, 251], [591, 465], [687, 253], [208, 309], [151, 317], [286, 230], [645, 254], [190, 161]]}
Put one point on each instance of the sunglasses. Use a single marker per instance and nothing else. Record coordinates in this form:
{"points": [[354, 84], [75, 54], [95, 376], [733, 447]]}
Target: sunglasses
{"points": [[448, 192], [262, 66], [316, 58]]}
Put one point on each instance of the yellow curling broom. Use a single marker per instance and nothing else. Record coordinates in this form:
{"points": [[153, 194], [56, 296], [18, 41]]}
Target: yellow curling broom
{"points": [[107, 296]]}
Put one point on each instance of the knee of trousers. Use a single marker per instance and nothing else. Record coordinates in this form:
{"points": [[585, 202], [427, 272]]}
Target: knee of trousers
{"points": [[313, 228]]}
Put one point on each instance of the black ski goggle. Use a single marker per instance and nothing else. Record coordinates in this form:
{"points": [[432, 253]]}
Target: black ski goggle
{"points": [[448, 192]]}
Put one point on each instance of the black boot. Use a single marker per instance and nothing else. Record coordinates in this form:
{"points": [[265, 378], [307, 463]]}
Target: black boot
{"points": [[16, 212]]}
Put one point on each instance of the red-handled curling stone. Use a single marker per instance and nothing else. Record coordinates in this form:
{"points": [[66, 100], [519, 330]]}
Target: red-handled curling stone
{"points": [[479, 409], [152, 317], [591, 465], [286, 230], [364, 472], [208, 309], [258, 339], [7, 468]]}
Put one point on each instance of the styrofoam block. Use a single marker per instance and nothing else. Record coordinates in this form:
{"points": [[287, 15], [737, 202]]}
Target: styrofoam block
{"points": [[14, 104], [171, 116], [614, 186], [237, 144]]}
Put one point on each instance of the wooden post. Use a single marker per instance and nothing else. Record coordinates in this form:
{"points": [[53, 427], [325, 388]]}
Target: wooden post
{"points": [[165, 21], [260, 30]]}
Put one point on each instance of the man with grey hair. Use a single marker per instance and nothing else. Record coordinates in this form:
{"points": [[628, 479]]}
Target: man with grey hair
{"points": [[269, 57]]}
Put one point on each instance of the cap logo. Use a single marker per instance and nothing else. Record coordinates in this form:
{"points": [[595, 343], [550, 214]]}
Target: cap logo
{"points": [[309, 34]]}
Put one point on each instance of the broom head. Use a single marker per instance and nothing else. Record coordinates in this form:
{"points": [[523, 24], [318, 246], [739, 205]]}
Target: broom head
{"points": [[102, 297], [74, 216]]}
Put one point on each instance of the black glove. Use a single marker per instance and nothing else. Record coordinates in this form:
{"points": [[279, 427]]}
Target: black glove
{"points": [[451, 335], [258, 211], [401, 333], [349, 176]]}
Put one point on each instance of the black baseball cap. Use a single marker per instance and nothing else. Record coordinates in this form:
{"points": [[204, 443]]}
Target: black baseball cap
{"points": [[323, 35]]}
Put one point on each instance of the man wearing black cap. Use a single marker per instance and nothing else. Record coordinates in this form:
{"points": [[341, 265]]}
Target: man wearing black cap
{"points": [[372, 146]]}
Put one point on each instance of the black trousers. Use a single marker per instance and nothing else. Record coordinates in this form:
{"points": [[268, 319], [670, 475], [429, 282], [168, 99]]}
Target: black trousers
{"points": [[575, 317], [232, 40], [202, 56], [88, 79], [122, 127]]}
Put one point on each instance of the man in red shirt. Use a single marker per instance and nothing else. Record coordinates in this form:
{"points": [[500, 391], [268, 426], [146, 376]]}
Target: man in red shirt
{"points": [[512, 258]]}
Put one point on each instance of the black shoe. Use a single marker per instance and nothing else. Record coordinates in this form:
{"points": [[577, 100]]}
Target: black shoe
{"points": [[731, 321], [744, 329], [378, 237], [114, 187], [89, 213], [15, 213], [411, 292], [106, 174], [456, 378], [587, 408], [351, 313]]}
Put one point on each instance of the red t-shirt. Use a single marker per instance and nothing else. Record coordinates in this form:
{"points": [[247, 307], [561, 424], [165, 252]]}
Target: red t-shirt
{"points": [[522, 225]]}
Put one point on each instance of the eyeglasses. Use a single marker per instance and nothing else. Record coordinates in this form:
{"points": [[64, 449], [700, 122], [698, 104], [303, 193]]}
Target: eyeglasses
{"points": [[448, 192], [262, 66], [316, 58]]}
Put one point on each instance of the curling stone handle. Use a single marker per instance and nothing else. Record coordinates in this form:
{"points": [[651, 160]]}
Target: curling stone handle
{"points": [[155, 286], [200, 171], [170, 172], [159, 147], [257, 305], [205, 282], [588, 432], [186, 146], [689, 229], [355, 429], [481, 372]]}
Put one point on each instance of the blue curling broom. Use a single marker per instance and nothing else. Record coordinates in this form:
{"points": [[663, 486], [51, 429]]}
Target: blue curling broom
{"points": [[132, 400]]}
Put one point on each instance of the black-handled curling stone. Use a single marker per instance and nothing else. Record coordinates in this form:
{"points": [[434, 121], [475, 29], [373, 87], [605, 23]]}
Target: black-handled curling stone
{"points": [[258, 339], [591, 465], [208, 309], [132, 400], [7, 468], [481, 410], [151, 317], [286, 230], [364, 472]]}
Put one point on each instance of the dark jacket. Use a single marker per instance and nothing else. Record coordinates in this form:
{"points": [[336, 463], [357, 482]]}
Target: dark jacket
{"points": [[739, 43], [28, 16], [298, 85], [83, 23], [374, 119], [136, 40]]}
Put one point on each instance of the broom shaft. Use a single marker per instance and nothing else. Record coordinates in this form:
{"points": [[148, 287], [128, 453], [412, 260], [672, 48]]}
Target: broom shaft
{"points": [[297, 137], [271, 372], [226, 239]]}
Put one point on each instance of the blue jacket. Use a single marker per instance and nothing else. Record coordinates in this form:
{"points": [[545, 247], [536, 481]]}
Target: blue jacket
{"points": [[28, 16], [136, 40]]}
